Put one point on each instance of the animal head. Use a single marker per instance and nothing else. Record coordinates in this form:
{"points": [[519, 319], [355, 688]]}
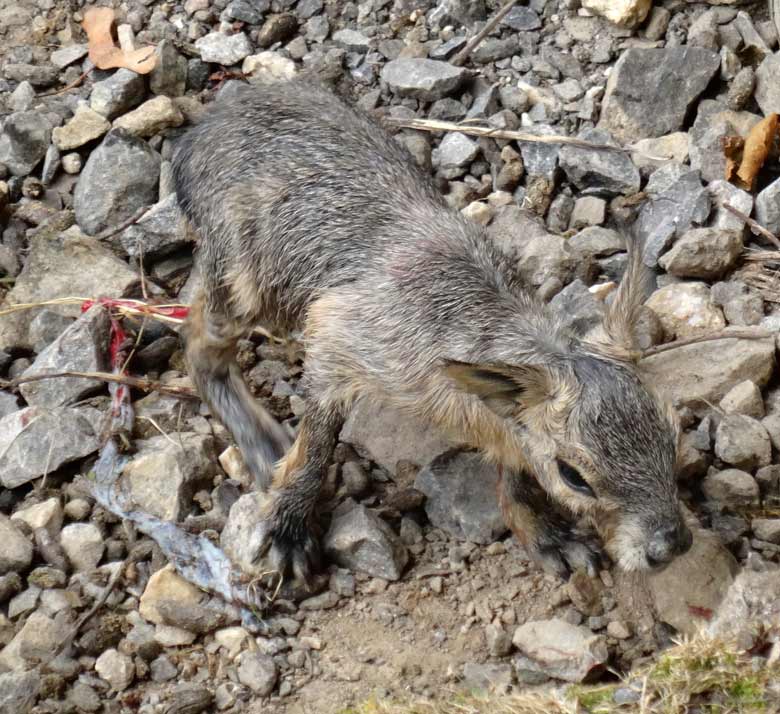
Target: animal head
{"points": [[597, 437]]}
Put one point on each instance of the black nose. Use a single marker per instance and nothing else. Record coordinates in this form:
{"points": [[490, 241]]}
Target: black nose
{"points": [[667, 543]]}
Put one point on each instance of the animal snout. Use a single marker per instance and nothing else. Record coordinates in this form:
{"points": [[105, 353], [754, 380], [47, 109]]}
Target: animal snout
{"points": [[667, 543]]}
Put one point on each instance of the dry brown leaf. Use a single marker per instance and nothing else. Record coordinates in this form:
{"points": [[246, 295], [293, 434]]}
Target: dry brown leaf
{"points": [[732, 149], [757, 147], [98, 22]]}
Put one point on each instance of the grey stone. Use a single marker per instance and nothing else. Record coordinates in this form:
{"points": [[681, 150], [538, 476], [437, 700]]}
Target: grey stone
{"points": [[588, 211], [650, 90], [17, 552], [538, 255], [68, 55], [165, 472], [693, 584], [602, 171], [277, 28], [490, 677], [386, 436], [85, 126], [18, 691], [598, 242], [540, 159], [731, 488], [22, 98], [151, 117], [56, 262], [693, 375], [162, 669], [8, 403], [34, 440], [457, 150], [116, 668], [157, 234], [741, 305], [557, 649], [352, 40], [24, 138], [248, 11], [83, 543], [673, 208], [768, 207], [24, 602], [84, 697], [38, 76], [498, 641], [767, 90], [71, 163], [35, 642], [258, 672], [751, 605], [753, 46], [686, 309], [522, 19], [46, 327], [117, 94], [10, 585], [224, 49], [743, 442], [120, 177], [741, 89], [570, 90], [714, 121], [581, 310], [722, 192], [703, 253], [359, 540], [447, 49], [422, 78], [80, 348], [767, 529], [169, 75], [461, 496], [744, 398], [51, 165], [493, 49]]}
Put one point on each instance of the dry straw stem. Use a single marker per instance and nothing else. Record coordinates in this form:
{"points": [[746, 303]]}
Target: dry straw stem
{"points": [[145, 385], [475, 129], [750, 333], [125, 306], [701, 674], [754, 225]]}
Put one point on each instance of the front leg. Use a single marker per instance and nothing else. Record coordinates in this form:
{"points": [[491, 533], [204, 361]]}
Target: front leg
{"points": [[550, 534], [287, 544]]}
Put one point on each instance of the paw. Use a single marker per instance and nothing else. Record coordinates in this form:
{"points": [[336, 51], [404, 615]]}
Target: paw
{"points": [[288, 558], [561, 554]]}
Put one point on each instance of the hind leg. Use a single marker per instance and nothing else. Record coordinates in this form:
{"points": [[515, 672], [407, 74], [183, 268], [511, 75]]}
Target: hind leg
{"points": [[211, 336], [552, 537], [287, 541]]}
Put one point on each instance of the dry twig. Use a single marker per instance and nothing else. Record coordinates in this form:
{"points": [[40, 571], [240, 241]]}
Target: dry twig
{"points": [[754, 226], [474, 42], [494, 133], [75, 83], [145, 385], [746, 334]]}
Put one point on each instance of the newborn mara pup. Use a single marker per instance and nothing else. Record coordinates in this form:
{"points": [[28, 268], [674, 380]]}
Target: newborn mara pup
{"points": [[309, 215]]}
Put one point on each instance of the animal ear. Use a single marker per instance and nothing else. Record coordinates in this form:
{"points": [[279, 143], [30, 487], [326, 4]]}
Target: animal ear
{"points": [[508, 390], [622, 316]]}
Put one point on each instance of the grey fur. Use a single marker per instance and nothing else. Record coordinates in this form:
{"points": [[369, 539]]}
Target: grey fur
{"points": [[309, 214]]}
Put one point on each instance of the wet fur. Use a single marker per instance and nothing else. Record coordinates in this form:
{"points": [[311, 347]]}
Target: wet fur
{"points": [[310, 216]]}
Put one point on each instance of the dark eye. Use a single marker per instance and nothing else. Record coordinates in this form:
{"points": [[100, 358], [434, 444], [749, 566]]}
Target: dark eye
{"points": [[573, 479]]}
